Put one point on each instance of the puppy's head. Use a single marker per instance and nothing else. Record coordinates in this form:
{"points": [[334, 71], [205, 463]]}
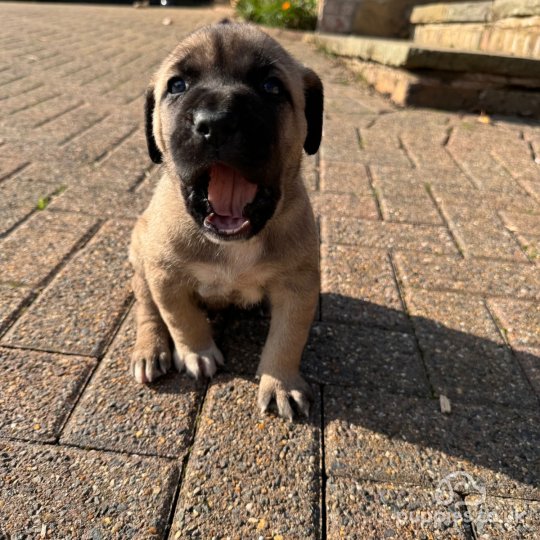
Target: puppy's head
{"points": [[229, 112]]}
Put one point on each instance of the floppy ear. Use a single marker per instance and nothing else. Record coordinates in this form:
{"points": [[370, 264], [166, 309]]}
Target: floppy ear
{"points": [[150, 103], [313, 91]]}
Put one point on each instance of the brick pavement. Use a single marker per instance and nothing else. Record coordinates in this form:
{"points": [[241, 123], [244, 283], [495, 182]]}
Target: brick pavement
{"points": [[430, 255]]}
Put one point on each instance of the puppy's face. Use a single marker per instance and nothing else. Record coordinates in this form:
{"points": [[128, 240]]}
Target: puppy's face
{"points": [[229, 112]]}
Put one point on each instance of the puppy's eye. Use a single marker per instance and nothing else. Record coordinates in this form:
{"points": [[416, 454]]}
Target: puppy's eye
{"points": [[176, 85], [272, 86]]}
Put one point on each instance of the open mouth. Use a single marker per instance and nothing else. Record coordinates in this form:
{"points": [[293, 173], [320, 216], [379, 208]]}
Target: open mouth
{"points": [[228, 194]]}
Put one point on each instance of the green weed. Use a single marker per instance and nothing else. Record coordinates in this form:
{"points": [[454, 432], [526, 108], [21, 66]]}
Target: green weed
{"points": [[296, 14]]}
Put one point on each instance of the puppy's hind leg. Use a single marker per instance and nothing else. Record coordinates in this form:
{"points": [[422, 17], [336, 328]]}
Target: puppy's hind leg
{"points": [[151, 355]]}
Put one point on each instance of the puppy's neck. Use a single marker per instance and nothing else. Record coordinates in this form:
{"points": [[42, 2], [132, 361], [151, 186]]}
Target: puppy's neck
{"points": [[246, 252]]}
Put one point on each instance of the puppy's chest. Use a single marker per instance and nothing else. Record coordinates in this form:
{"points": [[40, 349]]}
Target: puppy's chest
{"points": [[239, 278]]}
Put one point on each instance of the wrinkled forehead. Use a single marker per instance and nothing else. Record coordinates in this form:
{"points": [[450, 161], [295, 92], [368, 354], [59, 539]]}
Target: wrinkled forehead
{"points": [[231, 50]]}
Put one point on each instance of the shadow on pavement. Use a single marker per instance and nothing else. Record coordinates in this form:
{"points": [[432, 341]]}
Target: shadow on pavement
{"points": [[380, 392]]}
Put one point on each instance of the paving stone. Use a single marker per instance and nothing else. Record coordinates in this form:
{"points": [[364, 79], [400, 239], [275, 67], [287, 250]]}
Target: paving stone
{"points": [[242, 343], [404, 236], [116, 413], [529, 358], [102, 202], [310, 172], [461, 346], [410, 210], [359, 510], [79, 310], [345, 105], [19, 85], [69, 493], [429, 120], [38, 391], [38, 246], [358, 285], [345, 178], [531, 246], [344, 85], [377, 137], [340, 143], [45, 110], [256, 475], [408, 440], [490, 278], [129, 160], [520, 320], [470, 145], [469, 199], [496, 517], [532, 188], [431, 157], [344, 204], [21, 102], [19, 197], [464, 316], [12, 298], [403, 181], [383, 147], [9, 164], [364, 357], [481, 233], [522, 222], [385, 156], [100, 139], [66, 127], [433, 134], [516, 157], [398, 182]]}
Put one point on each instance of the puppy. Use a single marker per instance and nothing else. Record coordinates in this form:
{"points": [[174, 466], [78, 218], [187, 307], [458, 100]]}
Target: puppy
{"points": [[229, 113]]}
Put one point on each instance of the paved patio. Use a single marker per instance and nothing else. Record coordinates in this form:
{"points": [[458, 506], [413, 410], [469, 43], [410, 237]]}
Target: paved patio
{"points": [[430, 254]]}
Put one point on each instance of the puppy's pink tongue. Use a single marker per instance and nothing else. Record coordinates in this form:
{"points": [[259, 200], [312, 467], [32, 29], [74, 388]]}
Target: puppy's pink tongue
{"points": [[228, 191]]}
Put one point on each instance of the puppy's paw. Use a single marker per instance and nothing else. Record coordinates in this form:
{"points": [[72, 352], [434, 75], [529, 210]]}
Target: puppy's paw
{"points": [[150, 361], [198, 364], [283, 391]]}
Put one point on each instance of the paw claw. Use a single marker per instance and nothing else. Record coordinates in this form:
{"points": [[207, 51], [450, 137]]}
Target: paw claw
{"points": [[178, 361], [164, 362], [139, 372], [264, 401], [200, 364], [149, 362], [283, 406], [283, 391]]}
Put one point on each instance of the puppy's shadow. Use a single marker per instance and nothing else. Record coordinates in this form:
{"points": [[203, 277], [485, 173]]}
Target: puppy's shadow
{"points": [[381, 372]]}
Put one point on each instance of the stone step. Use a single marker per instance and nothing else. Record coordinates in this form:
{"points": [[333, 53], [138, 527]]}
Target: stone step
{"points": [[412, 56], [491, 94], [504, 26], [470, 12], [519, 37], [466, 12]]}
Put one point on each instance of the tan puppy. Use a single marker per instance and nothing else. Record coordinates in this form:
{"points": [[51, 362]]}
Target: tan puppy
{"points": [[228, 112]]}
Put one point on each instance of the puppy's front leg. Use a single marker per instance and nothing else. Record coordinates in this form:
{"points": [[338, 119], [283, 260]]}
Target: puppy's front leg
{"points": [[194, 347], [292, 313]]}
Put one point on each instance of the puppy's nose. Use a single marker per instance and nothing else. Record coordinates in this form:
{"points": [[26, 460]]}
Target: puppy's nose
{"points": [[214, 127]]}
